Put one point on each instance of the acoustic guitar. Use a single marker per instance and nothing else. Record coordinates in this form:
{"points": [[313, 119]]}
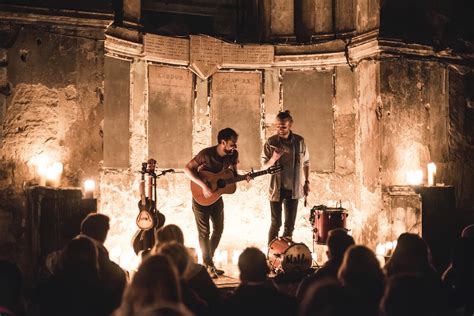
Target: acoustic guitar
{"points": [[223, 182], [146, 206]]}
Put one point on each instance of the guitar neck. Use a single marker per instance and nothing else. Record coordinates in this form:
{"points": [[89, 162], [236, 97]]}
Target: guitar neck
{"points": [[142, 192], [244, 176]]}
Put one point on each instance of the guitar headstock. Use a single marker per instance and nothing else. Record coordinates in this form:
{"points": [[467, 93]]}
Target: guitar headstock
{"points": [[151, 165], [275, 169]]}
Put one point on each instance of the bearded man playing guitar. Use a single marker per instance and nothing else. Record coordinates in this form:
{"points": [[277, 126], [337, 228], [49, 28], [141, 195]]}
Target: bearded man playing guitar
{"points": [[220, 157]]}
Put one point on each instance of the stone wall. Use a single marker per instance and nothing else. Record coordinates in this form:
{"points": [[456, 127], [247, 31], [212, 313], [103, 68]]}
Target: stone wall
{"points": [[53, 112]]}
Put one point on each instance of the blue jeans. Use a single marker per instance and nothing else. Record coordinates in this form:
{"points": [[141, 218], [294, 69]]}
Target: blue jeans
{"points": [[202, 214]]}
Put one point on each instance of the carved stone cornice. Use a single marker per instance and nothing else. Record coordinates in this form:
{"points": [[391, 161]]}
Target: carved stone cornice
{"points": [[115, 46], [330, 53]]}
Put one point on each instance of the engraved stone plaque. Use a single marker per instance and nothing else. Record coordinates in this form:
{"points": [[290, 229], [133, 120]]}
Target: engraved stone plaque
{"points": [[236, 104], [170, 116], [308, 95], [167, 49], [206, 55], [247, 55]]}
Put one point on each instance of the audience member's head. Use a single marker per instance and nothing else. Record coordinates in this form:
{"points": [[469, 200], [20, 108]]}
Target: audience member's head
{"points": [[411, 255], [154, 284], [177, 253], [169, 232], [96, 226], [359, 263], [360, 271], [327, 298], [253, 265], [407, 295], [79, 254], [338, 241], [468, 231], [11, 285]]}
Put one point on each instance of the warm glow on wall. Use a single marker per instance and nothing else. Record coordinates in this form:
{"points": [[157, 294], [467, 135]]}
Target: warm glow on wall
{"points": [[414, 177]]}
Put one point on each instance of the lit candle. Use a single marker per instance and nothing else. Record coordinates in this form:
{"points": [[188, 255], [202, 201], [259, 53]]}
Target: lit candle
{"points": [[217, 258], [89, 187], [42, 170], [224, 257], [235, 256], [58, 170], [381, 260], [431, 173], [380, 249], [53, 174], [41, 163]]}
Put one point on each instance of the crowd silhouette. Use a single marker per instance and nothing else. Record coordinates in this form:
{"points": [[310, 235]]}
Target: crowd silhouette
{"points": [[81, 280]]}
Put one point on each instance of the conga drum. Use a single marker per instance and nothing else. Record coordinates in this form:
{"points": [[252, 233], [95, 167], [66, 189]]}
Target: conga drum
{"points": [[325, 220], [287, 256]]}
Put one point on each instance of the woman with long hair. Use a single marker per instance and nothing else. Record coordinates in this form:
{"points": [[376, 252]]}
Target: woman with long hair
{"points": [[155, 286]]}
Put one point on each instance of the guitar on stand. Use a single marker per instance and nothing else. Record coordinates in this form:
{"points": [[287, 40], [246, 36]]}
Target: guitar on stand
{"points": [[149, 218]]}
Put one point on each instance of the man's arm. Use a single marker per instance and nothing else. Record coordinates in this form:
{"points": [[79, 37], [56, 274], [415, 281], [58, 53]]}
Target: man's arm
{"points": [[270, 155], [190, 170]]}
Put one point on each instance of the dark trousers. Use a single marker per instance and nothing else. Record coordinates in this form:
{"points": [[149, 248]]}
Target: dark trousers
{"points": [[202, 214], [291, 207]]}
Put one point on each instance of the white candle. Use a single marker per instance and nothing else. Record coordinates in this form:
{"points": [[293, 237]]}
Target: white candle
{"points": [[89, 187], [235, 256], [380, 249], [224, 257], [381, 260], [217, 258], [431, 173], [42, 170], [58, 170]]}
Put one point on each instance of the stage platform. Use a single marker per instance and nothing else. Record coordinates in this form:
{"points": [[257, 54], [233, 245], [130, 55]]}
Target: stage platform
{"points": [[230, 279]]}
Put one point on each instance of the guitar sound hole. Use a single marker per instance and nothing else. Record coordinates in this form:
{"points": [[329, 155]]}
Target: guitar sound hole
{"points": [[220, 183]]}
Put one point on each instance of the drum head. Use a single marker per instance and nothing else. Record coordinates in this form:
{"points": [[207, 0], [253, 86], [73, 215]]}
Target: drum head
{"points": [[297, 258]]}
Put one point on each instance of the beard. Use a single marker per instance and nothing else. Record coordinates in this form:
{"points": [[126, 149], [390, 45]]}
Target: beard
{"points": [[229, 152], [283, 134]]}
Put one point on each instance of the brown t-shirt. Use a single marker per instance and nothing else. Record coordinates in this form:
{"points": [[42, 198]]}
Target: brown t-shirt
{"points": [[208, 159]]}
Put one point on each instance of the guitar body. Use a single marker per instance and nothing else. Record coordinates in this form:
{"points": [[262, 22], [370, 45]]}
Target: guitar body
{"points": [[145, 219], [144, 239], [215, 181]]}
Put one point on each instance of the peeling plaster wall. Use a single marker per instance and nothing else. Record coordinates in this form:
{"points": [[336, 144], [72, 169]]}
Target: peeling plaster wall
{"points": [[368, 153], [54, 109], [414, 116]]}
